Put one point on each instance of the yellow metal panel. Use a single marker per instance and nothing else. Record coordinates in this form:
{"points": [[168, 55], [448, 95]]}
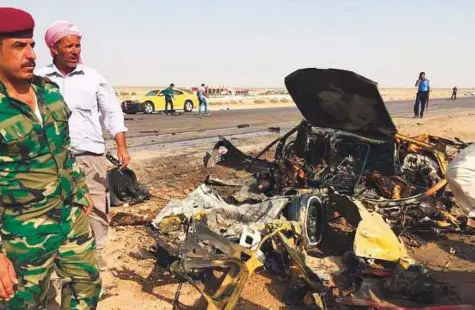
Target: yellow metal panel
{"points": [[375, 239]]}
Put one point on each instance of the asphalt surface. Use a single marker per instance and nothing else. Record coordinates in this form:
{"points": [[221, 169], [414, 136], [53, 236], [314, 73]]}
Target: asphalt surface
{"points": [[158, 130]]}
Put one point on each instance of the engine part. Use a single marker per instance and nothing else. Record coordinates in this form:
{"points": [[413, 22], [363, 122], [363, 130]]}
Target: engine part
{"points": [[420, 170]]}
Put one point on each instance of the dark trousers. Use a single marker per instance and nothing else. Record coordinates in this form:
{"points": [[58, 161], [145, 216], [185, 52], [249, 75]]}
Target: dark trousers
{"points": [[169, 101], [420, 104], [454, 96]]}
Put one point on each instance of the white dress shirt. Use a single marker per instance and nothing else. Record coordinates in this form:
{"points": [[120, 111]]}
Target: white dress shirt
{"points": [[92, 101]]}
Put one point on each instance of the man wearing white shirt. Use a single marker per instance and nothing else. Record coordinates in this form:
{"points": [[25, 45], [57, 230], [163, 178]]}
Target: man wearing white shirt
{"points": [[92, 101], [460, 176]]}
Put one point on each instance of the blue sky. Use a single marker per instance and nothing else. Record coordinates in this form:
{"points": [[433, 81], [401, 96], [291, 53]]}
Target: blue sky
{"points": [[259, 42]]}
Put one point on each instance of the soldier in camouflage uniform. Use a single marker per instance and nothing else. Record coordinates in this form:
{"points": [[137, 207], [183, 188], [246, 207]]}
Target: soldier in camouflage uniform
{"points": [[44, 199]]}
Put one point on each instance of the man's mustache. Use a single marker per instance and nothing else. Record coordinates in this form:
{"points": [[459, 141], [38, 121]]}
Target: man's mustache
{"points": [[29, 64]]}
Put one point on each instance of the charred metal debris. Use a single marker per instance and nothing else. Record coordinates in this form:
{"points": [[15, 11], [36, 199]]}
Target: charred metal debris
{"points": [[332, 213]]}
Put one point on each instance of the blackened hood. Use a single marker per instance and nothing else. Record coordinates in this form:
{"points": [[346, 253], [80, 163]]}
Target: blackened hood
{"points": [[341, 100]]}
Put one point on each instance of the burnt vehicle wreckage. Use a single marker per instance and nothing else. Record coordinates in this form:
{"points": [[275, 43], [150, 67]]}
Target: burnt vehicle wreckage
{"points": [[332, 212]]}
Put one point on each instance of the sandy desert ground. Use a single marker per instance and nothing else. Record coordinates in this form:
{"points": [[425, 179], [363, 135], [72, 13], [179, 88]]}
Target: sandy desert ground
{"points": [[388, 94], [135, 281]]}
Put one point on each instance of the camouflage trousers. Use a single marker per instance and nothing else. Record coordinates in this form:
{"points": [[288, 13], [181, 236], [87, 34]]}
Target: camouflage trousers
{"points": [[61, 240]]}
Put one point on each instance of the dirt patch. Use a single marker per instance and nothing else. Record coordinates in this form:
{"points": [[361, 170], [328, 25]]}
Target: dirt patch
{"points": [[452, 261]]}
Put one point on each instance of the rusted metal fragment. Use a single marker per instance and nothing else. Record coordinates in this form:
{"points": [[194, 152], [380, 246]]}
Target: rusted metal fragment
{"points": [[226, 154], [206, 252]]}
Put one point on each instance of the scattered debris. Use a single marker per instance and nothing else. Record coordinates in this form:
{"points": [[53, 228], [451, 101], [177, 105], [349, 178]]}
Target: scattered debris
{"points": [[452, 252], [329, 213]]}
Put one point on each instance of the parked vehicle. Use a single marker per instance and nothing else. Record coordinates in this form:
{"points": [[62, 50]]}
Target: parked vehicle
{"points": [[154, 101]]}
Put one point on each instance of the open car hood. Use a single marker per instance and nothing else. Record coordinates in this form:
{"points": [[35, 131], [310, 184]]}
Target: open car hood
{"points": [[341, 100]]}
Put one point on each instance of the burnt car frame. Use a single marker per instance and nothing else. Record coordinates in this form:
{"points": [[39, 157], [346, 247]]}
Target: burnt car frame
{"points": [[346, 127], [344, 160]]}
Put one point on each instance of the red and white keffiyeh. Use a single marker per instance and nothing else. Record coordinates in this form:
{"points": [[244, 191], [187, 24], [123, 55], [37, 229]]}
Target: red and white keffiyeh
{"points": [[59, 30]]}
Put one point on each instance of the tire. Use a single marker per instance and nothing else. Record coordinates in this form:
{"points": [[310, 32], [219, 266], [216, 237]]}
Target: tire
{"points": [[188, 107], [148, 107], [309, 212]]}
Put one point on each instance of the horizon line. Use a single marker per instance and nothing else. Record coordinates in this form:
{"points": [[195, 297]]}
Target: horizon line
{"points": [[277, 87]]}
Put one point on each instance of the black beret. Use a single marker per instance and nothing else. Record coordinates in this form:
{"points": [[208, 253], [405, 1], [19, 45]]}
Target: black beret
{"points": [[16, 23]]}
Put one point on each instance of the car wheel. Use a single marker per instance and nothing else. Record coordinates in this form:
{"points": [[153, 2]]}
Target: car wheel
{"points": [[188, 107], [148, 107], [309, 212]]}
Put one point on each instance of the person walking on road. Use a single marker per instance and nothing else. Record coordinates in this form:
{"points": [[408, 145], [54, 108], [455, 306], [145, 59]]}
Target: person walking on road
{"points": [[422, 97], [454, 93], [201, 93], [45, 200], [168, 93], [92, 101]]}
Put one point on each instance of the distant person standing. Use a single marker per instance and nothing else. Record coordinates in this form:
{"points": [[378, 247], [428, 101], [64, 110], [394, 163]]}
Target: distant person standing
{"points": [[201, 93], [422, 97], [454, 93], [168, 92]]}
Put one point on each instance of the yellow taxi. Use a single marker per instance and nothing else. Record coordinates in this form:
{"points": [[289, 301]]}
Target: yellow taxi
{"points": [[154, 101]]}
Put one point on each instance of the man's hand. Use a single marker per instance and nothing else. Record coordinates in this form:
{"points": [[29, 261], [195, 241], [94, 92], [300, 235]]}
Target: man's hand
{"points": [[123, 156], [122, 153], [88, 210], [7, 278]]}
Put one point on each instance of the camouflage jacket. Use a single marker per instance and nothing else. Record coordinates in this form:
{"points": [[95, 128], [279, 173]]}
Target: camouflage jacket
{"points": [[37, 170]]}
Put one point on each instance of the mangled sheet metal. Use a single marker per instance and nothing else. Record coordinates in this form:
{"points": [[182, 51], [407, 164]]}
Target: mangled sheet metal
{"points": [[225, 218], [206, 251], [374, 238], [212, 236], [217, 248], [218, 254], [329, 212]]}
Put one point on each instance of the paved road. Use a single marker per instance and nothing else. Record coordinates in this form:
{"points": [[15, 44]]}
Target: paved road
{"points": [[163, 129]]}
